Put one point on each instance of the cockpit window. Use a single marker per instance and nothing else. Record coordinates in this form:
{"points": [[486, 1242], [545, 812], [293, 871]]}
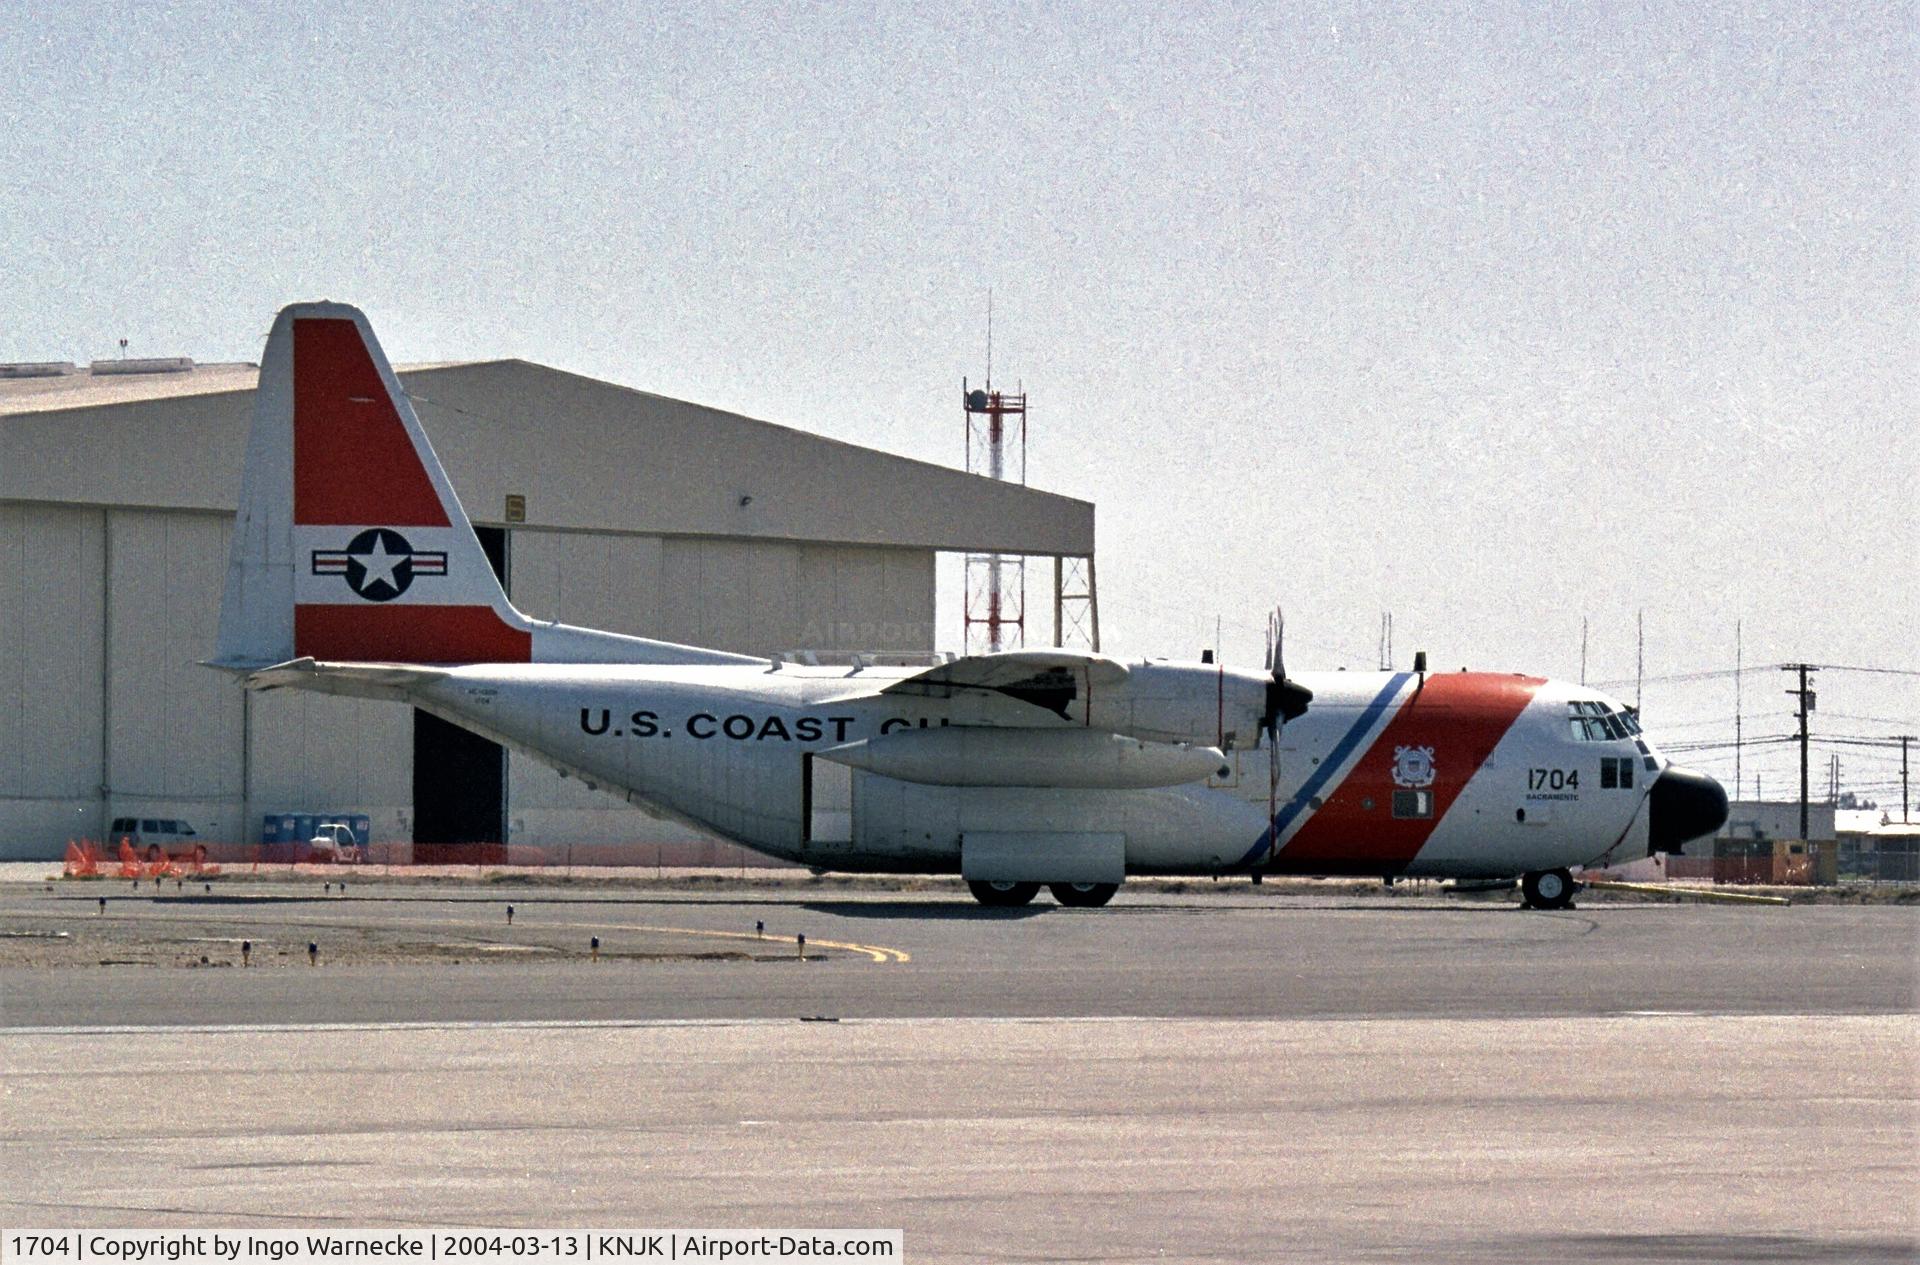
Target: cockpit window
{"points": [[1594, 721]]}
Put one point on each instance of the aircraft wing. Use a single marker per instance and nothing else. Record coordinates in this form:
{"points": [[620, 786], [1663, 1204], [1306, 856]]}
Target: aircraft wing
{"points": [[1049, 679], [1008, 671]]}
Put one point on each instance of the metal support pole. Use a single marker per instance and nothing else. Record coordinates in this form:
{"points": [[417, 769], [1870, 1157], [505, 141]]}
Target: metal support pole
{"points": [[1059, 600], [1093, 603]]}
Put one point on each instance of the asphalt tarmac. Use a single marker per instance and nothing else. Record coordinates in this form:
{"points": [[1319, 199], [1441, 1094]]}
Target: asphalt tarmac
{"points": [[1228, 1075]]}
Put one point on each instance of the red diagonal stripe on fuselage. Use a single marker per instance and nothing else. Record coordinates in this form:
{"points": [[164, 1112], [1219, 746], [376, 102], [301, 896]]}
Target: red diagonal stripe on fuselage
{"points": [[1462, 716]]}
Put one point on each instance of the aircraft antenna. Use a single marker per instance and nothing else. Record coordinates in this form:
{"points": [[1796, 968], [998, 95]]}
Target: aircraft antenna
{"points": [[989, 338], [1639, 658]]}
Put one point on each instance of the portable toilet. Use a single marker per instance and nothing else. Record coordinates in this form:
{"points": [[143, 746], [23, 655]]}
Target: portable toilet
{"points": [[280, 837]]}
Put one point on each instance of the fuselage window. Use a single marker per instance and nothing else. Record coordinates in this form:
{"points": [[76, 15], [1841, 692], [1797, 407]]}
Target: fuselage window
{"points": [[1413, 804]]}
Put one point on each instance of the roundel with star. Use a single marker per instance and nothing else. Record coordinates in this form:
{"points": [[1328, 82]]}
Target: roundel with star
{"points": [[379, 564]]}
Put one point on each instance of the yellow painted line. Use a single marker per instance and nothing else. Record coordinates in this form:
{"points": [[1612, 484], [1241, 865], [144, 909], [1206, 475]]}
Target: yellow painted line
{"points": [[875, 952], [1696, 893]]}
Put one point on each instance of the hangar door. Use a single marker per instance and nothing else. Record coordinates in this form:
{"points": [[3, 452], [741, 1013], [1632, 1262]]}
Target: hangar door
{"points": [[459, 778]]}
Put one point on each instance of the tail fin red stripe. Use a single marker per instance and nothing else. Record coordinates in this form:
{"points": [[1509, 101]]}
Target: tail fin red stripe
{"points": [[353, 461], [409, 634]]}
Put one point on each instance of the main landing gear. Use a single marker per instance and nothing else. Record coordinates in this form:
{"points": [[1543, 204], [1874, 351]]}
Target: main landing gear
{"points": [[1548, 889], [1083, 895], [1003, 895], [1010, 895]]}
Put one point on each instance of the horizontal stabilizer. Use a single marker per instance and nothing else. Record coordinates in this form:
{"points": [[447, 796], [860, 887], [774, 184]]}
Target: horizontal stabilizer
{"points": [[356, 680]]}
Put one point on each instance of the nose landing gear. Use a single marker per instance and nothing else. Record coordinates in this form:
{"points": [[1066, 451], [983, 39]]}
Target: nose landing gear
{"points": [[1548, 889]]}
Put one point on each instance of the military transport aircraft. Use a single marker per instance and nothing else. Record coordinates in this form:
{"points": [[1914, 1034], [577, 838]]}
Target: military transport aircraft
{"points": [[355, 571]]}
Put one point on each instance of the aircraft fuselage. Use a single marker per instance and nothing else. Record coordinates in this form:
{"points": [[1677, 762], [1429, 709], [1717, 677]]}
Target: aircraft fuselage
{"points": [[1455, 774]]}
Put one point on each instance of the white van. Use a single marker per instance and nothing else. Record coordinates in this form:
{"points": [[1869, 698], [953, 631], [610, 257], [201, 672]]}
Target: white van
{"points": [[156, 837]]}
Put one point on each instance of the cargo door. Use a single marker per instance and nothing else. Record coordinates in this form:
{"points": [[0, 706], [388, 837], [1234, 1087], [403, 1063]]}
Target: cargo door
{"points": [[826, 805]]}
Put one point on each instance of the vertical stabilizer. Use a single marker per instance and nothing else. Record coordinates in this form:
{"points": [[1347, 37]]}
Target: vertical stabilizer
{"points": [[350, 543]]}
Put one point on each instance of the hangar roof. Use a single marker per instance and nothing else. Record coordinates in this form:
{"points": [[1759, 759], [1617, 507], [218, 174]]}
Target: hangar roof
{"points": [[587, 455]]}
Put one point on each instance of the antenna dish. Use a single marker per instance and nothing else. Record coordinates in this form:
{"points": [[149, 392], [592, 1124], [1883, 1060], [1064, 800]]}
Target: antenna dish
{"points": [[977, 400]]}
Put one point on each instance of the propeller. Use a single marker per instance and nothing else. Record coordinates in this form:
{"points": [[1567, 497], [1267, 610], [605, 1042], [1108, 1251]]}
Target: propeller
{"points": [[1286, 700]]}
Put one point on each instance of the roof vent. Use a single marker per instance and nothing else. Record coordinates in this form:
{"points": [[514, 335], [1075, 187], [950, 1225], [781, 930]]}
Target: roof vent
{"points": [[38, 369], [156, 364]]}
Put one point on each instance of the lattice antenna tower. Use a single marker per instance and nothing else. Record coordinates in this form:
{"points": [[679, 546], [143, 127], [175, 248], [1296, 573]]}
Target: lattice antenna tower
{"points": [[996, 583], [996, 610]]}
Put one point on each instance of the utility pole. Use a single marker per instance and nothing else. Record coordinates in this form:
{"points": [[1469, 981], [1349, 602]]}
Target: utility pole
{"points": [[1806, 697], [1905, 799], [1739, 664]]}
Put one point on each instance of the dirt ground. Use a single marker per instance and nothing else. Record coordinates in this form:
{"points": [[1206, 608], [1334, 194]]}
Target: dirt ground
{"points": [[372, 915]]}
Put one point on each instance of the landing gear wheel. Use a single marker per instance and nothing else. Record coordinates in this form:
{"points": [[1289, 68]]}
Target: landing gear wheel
{"points": [[1547, 889], [1083, 895], [1003, 895]]}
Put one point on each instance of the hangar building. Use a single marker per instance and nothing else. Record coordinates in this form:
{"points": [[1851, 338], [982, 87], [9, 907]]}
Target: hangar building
{"points": [[600, 505]]}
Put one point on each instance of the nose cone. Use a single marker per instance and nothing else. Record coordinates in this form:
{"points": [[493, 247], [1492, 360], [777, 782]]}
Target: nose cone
{"points": [[1683, 805]]}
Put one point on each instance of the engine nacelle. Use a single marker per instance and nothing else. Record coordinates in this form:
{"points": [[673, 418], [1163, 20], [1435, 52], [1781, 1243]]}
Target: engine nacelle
{"points": [[1183, 703]]}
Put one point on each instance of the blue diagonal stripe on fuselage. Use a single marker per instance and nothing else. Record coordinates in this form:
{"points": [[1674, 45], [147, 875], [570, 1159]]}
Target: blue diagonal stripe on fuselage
{"points": [[1328, 767]]}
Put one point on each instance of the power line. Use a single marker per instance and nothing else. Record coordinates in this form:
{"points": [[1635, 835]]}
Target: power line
{"points": [[1674, 678], [1718, 674], [1842, 667], [1870, 720]]}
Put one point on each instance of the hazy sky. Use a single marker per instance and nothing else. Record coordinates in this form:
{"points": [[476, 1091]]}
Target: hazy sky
{"points": [[1494, 315]]}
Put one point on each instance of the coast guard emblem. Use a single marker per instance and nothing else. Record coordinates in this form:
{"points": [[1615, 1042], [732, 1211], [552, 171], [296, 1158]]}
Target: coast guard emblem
{"points": [[1413, 766]]}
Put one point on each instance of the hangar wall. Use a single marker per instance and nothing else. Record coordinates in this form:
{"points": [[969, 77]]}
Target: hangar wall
{"points": [[105, 711], [52, 698], [104, 614], [643, 514]]}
